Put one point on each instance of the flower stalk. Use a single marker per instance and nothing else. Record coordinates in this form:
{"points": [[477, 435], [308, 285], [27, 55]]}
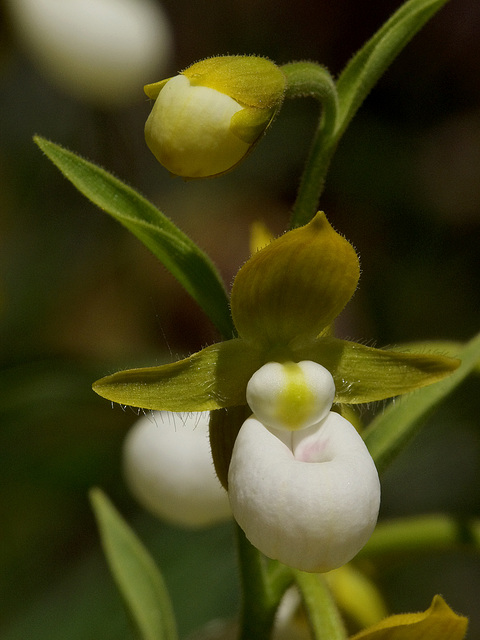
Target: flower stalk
{"points": [[307, 79], [262, 587]]}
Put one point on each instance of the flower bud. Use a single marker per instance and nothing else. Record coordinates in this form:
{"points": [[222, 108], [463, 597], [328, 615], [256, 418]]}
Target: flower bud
{"points": [[205, 120], [169, 469], [291, 395], [308, 498]]}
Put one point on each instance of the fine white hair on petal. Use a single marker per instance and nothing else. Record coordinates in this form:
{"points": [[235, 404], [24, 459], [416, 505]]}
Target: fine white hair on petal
{"points": [[309, 499], [100, 51], [168, 468]]}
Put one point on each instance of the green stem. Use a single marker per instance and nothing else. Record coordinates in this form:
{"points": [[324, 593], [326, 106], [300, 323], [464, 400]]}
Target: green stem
{"points": [[309, 79], [262, 587], [341, 100], [322, 612]]}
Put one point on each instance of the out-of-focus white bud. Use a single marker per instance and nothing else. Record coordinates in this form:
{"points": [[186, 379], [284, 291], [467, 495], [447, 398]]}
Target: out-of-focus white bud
{"points": [[99, 51], [291, 395], [205, 120], [308, 498], [169, 469], [290, 620]]}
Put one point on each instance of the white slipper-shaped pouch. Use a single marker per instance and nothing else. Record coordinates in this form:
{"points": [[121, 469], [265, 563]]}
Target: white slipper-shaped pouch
{"points": [[308, 498]]}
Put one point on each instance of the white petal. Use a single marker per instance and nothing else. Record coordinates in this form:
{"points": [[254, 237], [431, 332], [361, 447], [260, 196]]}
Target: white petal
{"points": [[291, 395], [169, 469], [312, 515], [101, 51]]}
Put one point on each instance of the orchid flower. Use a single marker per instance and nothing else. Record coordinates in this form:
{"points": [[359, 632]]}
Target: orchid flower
{"points": [[283, 302]]}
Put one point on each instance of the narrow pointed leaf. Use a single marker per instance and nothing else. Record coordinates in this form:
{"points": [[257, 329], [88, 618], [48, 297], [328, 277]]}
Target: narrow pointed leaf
{"points": [[288, 292], [439, 622], [180, 255], [134, 571], [369, 64], [365, 374], [213, 378], [396, 426]]}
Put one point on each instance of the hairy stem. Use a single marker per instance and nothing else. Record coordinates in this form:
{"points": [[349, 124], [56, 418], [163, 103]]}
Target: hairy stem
{"points": [[306, 79]]}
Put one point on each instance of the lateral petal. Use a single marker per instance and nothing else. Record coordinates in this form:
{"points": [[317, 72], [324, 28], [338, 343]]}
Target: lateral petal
{"points": [[213, 378], [366, 374]]}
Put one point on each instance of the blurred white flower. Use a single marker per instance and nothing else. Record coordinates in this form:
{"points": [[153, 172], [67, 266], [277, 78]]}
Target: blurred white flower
{"points": [[168, 467], [99, 51]]}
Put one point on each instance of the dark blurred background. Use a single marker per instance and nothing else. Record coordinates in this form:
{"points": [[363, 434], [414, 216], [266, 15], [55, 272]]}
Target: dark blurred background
{"points": [[80, 297]]}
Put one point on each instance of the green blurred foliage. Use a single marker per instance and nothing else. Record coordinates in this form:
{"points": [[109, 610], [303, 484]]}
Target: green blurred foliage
{"points": [[80, 298]]}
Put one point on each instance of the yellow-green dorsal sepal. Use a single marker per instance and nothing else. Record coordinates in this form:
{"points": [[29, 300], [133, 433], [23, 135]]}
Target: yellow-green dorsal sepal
{"points": [[250, 80], [289, 292]]}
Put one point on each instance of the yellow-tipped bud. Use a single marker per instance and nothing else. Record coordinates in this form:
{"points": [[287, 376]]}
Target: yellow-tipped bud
{"points": [[205, 120]]}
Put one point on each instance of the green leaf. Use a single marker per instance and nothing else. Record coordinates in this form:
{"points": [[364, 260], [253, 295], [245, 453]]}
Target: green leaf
{"points": [[399, 422], [365, 374], [138, 579], [213, 378], [180, 255], [370, 63]]}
